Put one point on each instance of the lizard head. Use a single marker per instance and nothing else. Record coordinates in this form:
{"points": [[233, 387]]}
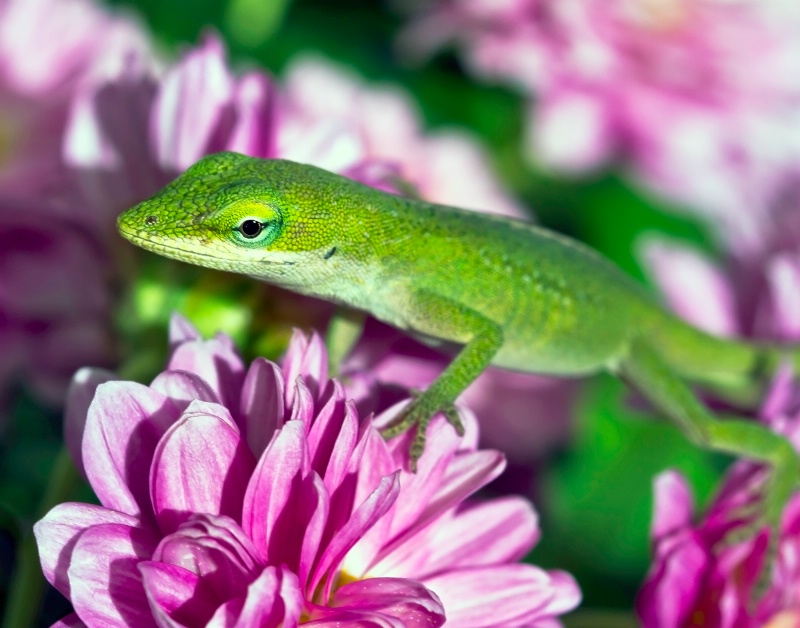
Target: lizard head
{"points": [[231, 212]]}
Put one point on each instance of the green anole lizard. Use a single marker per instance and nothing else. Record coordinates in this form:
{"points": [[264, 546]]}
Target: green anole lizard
{"points": [[508, 293]]}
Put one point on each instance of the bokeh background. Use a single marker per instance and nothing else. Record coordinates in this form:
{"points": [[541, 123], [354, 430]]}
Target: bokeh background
{"points": [[591, 479]]}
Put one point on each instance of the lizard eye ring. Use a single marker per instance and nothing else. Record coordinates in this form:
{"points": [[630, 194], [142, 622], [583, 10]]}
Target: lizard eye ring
{"points": [[250, 228]]}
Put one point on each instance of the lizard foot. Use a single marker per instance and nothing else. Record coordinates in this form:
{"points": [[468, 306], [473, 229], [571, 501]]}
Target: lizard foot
{"points": [[764, 512], [420, 412]]}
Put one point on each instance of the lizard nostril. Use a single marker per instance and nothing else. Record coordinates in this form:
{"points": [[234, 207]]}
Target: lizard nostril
{"points": [[151, 220]]}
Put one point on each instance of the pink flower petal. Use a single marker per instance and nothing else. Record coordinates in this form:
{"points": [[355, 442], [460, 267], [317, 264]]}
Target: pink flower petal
{"points": [[58, 531], [190, 106], [269, 500], [176, 596], [254, 133], [70, 621], [364, 517], [79, 397], [307, 357], [181, 330], [333, 436], [217, 362], [302, 404], [673, 505], [358, 484], [407, 600], [201, 465], [695, 289], [466, 473], [106, 587], [214, 548], [123, 427], [272, 600], [183, 386], [673, 584], [262, 403], [505, 595], [490, 533], [571, 130]]}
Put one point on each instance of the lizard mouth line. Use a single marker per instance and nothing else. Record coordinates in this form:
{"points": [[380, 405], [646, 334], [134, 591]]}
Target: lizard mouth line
{"points": [[189, 254]]}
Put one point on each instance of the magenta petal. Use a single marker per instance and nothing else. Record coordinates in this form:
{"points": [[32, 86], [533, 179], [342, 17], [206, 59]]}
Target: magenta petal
{"points": [[181, 330], [79, 397], [185, 387], [308, 358], [201, 465], [695, 289], [70, 621], [176, 595], [407, 600], [190, 105], [58, 531], [302, 404], [254, 132], [125, 422], [106, 587], [670, 589], [272, 600], [270, 492], [262, 403], [216, 549], [505, 595], [313, 516], [467, 472], [333, 434], [362, 519], [673, 504], [343, 449], [216, 361], [356, 619], [490, 533]]}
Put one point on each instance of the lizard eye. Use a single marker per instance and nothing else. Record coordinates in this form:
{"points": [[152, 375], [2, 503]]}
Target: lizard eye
{"points": [[250, 228]]}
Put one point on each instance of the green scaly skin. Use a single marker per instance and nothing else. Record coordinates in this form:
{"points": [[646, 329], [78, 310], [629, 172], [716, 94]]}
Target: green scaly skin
{"points": [[509, 293]]}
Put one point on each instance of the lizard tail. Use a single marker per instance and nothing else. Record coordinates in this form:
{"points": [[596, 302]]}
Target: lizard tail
{"points": [[721, 362]]}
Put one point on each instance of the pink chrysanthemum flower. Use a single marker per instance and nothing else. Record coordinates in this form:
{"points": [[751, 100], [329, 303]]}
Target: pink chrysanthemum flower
{"points": [[671, 88], [700, 578], [258, 497]]}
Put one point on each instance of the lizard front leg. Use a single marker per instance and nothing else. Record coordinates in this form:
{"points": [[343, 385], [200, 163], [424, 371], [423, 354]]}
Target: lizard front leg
{"points": [[482, 338]]}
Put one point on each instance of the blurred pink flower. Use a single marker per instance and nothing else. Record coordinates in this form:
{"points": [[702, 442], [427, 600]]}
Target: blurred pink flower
{"points": [[698, 576], [756, 297], [54, 301], [47, 49], [374, 134], [699, 99], [55, 292], [258, 496]]}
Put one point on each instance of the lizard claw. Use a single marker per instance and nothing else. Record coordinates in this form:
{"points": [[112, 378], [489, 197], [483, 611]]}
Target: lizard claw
{"points": [[420, 412]]}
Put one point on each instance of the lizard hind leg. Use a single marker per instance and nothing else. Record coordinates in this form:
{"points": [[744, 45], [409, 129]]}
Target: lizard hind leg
{"points": [[654, 378]]}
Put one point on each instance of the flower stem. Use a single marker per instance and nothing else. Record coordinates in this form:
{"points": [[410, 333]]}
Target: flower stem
{"points": [[27, 585]]}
